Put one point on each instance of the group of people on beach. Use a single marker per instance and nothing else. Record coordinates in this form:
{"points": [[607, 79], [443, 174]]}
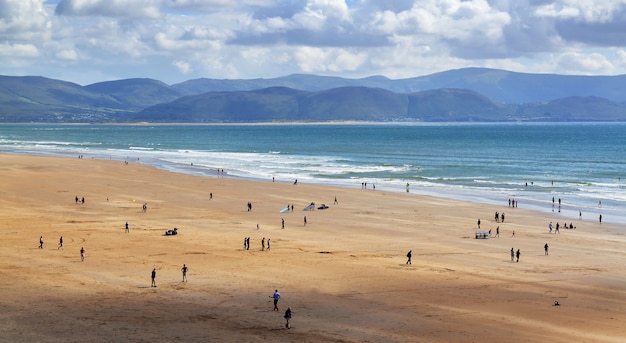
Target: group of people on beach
{"points": [[499, 217], [287, 316], [184, 270], [246, 244], [82, 249], [558, 226]]}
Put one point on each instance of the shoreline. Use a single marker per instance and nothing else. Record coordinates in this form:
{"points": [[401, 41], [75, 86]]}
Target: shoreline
{"points": [[343, 273], [568, 211]]}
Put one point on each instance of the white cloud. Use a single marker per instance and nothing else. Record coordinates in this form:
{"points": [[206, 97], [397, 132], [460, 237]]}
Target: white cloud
{"points": [[587, 10], [22, 20], [173, 40], [71, 55], [18, 50], [315, 60], [183, 66], [110, 8], [592, 63]]}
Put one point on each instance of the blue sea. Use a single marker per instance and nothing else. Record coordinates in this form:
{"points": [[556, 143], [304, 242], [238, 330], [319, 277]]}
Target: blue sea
{"points": [[583, 164]]}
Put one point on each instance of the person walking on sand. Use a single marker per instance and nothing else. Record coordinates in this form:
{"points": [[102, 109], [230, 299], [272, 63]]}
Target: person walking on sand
{"points": [[408, 256], [184, 270], [545, 248], [282, 223], [513, 235], [60, 243], [127, 227], [40, 242], [287, 317], [478, 223], [153, 277], [336, 202], [498, 232], [276, 296], [82, 254], [512, 254], [268, 244], [263, 244], [517, 255], [304, 220]]}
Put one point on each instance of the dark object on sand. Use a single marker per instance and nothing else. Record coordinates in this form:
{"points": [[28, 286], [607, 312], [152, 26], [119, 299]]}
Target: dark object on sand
{"points": [[323, 207], [172, 232]]}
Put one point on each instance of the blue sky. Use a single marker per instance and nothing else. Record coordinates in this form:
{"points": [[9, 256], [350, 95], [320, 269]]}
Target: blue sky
{"points": [[88, 41]]}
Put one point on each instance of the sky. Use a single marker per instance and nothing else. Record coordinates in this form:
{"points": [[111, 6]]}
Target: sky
{"points": [[89, 41]]}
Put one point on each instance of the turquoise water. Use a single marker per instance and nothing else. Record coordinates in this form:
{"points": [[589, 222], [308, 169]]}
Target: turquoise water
{"points": [[581, 163]]}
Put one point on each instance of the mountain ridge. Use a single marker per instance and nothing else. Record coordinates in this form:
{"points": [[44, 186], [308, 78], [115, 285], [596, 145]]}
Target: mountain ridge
{"points": [[469, 94]]}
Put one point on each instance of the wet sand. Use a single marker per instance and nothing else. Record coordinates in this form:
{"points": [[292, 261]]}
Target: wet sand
{"points": [[343, 274]]}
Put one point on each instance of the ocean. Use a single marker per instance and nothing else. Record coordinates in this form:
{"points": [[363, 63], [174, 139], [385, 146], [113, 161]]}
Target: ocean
{"points": [[583, 164]]}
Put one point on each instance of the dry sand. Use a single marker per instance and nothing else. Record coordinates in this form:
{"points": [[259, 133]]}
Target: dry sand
{"points": [[343, 274]]}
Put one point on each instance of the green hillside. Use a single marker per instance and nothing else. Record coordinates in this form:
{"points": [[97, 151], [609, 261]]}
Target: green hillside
{"points": [[464, 95]]}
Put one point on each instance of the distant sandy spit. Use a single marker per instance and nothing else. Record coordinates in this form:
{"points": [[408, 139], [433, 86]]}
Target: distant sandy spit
{"points": [[343, 273]]}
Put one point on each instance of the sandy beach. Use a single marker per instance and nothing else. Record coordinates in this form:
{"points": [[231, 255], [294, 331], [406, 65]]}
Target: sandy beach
{"points": [[344, 273]]}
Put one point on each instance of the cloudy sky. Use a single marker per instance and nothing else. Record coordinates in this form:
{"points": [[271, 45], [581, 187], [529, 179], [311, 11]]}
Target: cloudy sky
{"points": [[87, 41]]}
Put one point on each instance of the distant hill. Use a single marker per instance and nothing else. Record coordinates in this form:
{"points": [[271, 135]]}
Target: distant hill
{"points": [[33, 98], [463, 95], [500, 85], [136, 93], [372, 104]]}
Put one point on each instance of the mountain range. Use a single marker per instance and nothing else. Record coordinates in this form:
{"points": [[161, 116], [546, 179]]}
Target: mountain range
{"points": [[463, 95]]}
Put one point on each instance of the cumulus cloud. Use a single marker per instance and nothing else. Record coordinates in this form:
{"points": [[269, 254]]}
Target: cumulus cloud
{"points": [[173, 40], [321, 60], [70, 55], [18, 50], [183, 66], [110, 8], [22, 20], [592, 63]]}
